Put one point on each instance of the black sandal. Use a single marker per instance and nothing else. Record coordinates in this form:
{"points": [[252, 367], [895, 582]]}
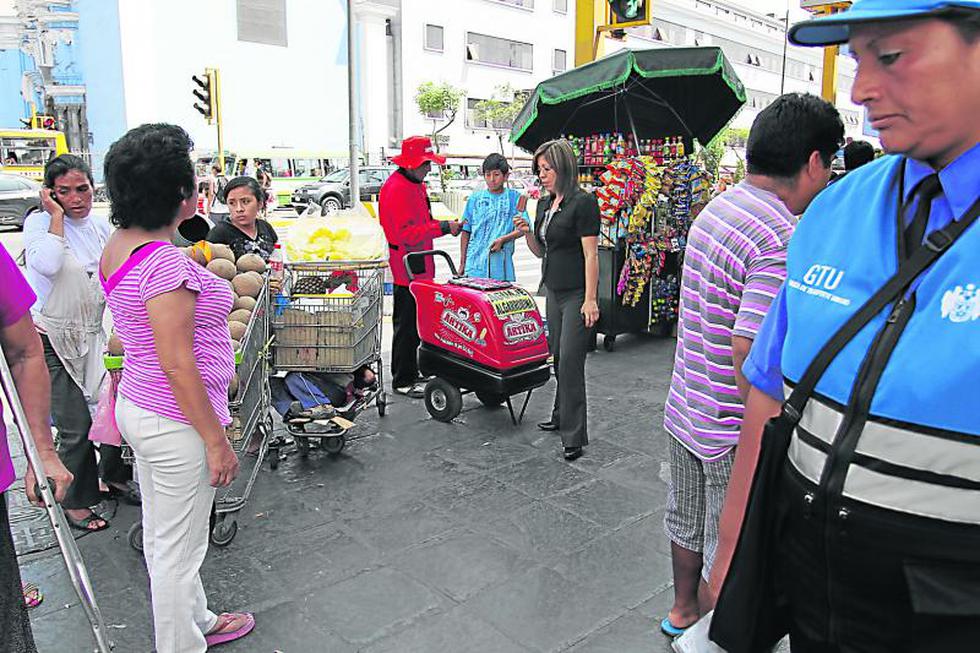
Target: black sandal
{"points": [[84, 523]]}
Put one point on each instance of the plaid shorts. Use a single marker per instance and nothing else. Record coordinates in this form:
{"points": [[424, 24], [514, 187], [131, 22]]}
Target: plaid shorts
{"points": [[695, 496]]}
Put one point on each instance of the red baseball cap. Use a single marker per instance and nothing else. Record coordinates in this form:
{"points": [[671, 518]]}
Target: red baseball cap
{"points": [[416, 150]]}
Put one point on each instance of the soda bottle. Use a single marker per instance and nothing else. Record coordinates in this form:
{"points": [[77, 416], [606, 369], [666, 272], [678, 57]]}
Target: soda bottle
{"points": [[276, 267], [680, 146]]}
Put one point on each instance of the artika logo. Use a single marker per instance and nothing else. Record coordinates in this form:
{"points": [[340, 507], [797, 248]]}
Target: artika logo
{"points": [[521, 330], [459, 324], [961, 304], [823, 276]]}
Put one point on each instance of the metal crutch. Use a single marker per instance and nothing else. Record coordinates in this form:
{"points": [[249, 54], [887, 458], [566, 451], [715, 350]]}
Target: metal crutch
{"points": [[69, 550]]}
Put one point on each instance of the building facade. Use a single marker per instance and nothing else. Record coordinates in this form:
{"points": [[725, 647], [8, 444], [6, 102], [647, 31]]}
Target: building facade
{"points": [[755, 44], [477, 46], [283, 67]]}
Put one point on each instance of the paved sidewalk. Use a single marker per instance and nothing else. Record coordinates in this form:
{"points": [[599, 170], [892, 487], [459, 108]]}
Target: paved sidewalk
{"points": [[472, 536]]}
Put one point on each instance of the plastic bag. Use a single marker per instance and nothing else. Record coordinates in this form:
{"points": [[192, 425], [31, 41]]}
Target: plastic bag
{"points": [[341, 236], [104, 429]]}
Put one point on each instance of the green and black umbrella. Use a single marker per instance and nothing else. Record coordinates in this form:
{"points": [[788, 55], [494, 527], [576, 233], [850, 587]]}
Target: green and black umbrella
{"points": [[689, 92]]}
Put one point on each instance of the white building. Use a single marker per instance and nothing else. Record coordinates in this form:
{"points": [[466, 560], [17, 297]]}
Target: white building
{"points": [[755, 44], [474, 45]]}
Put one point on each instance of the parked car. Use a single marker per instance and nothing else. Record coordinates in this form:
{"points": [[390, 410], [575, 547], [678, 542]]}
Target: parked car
{"points": [[333, 191], [19, 197]]}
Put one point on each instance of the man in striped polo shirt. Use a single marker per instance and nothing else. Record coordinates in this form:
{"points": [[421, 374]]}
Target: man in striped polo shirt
{"points": [[734, 265]]}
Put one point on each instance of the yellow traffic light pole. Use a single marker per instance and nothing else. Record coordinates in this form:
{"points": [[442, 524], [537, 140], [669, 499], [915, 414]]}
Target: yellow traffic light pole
{"points": [[828, 86], [215, 75]]}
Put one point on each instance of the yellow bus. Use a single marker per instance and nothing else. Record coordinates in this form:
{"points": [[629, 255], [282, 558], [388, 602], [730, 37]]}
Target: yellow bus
{"points": [[25, 151]]}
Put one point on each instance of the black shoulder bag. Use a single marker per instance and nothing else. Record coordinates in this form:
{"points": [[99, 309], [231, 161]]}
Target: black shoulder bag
{"points": [[749, 617]]}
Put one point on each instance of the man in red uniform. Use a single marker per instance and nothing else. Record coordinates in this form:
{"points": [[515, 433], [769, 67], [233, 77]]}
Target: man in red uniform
{"points": [[406, 218]]}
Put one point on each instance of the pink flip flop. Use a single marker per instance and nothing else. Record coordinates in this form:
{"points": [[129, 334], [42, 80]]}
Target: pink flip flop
{"points": [[216, 637]]}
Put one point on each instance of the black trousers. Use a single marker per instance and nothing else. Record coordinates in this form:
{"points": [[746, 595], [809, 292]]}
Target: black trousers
{"points": [[876, 581], [15, 625], [405, 339], [568, 340], [70, 414]]}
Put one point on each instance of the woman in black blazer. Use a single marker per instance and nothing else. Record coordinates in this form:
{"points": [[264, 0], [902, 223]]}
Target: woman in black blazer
{"points": [[565, 235]]}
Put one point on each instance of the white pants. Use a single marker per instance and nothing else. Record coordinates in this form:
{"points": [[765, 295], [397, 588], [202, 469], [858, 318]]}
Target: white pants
{"points": [[177, 498]]}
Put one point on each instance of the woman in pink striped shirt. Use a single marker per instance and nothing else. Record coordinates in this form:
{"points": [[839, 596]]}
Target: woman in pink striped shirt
{"points": [[170, 315]]}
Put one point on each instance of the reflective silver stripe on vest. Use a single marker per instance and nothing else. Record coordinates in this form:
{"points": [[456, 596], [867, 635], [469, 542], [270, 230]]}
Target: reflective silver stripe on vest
{"points": [[902, 447], [921, 451], [807, 460], [914, 497]]}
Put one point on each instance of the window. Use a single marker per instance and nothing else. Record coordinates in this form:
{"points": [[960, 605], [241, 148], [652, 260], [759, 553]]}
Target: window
{"points": [[434, 38], [499, 52], [475, 121], [561, 6], [561, 61], [262, 21]]}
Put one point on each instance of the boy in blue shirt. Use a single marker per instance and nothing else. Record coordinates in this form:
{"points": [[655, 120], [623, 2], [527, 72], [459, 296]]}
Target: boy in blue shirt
{"points": [[487, 240]]}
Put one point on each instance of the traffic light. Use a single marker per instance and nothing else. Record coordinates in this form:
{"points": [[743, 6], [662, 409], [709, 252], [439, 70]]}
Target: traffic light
{"points": [[629, 13], [205, 94]]}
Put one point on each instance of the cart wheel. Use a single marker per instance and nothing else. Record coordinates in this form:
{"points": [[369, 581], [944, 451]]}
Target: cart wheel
{"points": [[382, 403], [609, 343], [135, 536], [303, 445], [442, 399], [224, 531], [333, 444], [490, 400]]}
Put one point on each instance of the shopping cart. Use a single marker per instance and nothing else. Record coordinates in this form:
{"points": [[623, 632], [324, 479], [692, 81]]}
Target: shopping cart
{"points": [[250, 432], [327, 319]]}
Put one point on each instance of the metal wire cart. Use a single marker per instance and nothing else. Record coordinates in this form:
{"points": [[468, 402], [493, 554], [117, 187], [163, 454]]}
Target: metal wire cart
{"points": [[327, 320], [249, 433]]}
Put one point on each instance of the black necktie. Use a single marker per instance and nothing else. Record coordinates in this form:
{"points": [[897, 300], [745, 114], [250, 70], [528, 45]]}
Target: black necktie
{"points": [[928, 189]]}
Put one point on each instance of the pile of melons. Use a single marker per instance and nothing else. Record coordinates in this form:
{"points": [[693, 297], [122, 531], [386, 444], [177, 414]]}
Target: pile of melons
{"points": [[245, 278]]}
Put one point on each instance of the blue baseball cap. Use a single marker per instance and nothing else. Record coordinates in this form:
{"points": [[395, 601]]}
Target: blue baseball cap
{"points": [[836, 28]]}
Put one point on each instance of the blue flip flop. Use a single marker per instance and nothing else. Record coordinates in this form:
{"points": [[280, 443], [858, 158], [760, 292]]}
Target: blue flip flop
{"points": [[670, 629]]}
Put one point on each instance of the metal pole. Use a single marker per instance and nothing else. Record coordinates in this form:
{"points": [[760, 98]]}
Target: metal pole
{"points": [[355, 190], [782, 78], [69, 550], [216, 88]]}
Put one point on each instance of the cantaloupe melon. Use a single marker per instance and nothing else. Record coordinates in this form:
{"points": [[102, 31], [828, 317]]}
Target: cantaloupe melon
{"points": [[220, 250], [200, 253], [240, 315], [246, 285], [250, 263], [233, 388], [244, 302], [222, 268], [236, 345], [237, 330]]}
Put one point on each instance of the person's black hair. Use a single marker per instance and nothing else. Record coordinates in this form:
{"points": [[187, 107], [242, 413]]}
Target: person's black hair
{"points": [[857, 153], [148, 173], [247, 182], [965, 20], [63, 164], [496, 162], [788, 131], [216, 168]]}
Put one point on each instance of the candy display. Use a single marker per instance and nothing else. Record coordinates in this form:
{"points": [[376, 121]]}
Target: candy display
{"points": [[599, 150], [647, 209]]}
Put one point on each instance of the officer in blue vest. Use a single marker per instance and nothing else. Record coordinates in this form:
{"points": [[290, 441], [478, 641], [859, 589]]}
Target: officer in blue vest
{"points": [[879, 549]]}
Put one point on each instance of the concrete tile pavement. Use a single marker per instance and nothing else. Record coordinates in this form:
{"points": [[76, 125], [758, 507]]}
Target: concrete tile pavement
{"points": [[422, 536]]}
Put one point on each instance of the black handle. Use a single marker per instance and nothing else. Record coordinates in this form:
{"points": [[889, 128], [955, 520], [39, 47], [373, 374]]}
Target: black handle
{"points": [[428, 252], [37, 487]]}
